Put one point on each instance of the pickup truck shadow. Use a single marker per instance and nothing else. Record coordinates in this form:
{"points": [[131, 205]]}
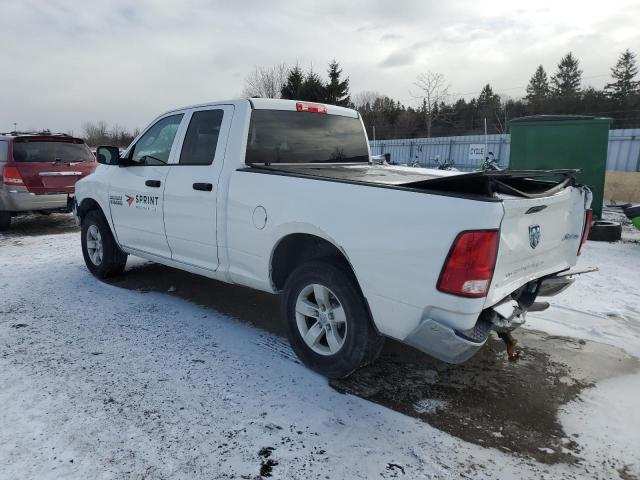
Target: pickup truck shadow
{"points": [[487, 400]]}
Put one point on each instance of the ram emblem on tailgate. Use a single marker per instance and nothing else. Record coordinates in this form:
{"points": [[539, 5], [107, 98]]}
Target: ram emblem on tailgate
{"points": [[534, 235]]}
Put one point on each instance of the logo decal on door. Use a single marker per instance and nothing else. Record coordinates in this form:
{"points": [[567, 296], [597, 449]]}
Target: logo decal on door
{"points": [[140, 202]]}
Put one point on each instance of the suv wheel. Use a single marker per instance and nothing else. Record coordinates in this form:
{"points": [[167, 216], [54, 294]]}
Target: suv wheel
{"points": [[328, 324], [5, 221], [101, 253]]}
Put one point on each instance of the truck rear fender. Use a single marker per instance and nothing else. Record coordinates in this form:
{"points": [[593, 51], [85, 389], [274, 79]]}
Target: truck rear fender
{"points": [[294, 249]]}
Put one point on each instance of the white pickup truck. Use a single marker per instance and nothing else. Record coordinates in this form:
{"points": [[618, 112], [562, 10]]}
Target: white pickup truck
{"points": [[282, 196]]}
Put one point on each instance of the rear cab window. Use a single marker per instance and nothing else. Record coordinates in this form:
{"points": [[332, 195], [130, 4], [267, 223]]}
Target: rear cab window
{"points": [[283, 136], [49, 151]]}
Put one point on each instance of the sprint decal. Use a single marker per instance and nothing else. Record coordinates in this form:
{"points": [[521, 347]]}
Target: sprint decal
{"points": [[139, 202]]}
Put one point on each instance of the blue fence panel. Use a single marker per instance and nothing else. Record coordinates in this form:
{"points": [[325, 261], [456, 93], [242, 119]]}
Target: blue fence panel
{"points": [[623, 151]]}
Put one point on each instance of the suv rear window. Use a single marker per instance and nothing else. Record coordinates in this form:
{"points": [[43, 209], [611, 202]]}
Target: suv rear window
{"points": [[4, 145], [51, 151], [277, 136]]}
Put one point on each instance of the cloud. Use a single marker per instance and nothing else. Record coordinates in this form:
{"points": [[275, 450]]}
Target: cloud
{"points": [[390, 36], [400, 58], [126, 62]]}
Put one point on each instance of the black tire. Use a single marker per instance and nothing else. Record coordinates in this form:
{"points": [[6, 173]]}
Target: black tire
{"points": [[632, 212], [362, 344], [603, 231], [5, 221], [113, 258]]}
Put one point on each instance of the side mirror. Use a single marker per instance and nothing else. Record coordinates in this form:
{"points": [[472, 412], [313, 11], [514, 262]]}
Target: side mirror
{"points": [[108, 155]]}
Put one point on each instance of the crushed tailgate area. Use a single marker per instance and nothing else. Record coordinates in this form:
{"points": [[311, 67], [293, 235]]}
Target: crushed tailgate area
{"points": [[163, 374]]}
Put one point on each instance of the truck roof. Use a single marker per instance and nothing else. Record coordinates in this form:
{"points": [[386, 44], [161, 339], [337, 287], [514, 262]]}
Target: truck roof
{"points": [[274, 104]]}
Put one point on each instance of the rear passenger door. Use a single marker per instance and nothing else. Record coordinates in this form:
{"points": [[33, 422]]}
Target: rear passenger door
{"points": [[190, 195]]}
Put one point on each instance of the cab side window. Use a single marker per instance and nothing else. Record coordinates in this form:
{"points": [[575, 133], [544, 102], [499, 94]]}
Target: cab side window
{"points": [[154, 146], [201, 139]]}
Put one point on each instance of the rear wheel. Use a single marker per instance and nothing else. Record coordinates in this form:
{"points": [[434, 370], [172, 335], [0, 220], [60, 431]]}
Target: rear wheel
{"points": [[101, 253], [328, 324], [5, 221]]}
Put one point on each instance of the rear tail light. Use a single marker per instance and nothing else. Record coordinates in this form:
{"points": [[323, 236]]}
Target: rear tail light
{"points": [[468, 270], [311, 107], [11, 176], [588, 220]]}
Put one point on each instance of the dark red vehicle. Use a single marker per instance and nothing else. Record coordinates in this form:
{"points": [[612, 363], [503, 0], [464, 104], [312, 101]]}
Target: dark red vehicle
{"points": [[39, 172]]}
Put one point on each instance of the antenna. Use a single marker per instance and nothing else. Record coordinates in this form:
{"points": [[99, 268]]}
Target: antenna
{"points": [[486, 139]]}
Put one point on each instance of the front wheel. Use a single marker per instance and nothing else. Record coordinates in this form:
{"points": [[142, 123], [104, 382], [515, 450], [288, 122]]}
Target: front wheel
{"points": [[328, 324], [101, 253]]}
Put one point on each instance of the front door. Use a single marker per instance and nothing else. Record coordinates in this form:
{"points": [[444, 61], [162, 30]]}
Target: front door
{"points": [[190, 196], [136, 189]]}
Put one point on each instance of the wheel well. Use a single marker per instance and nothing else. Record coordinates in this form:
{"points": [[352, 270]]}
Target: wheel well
{"points": [[297, 248], [87, 205]]}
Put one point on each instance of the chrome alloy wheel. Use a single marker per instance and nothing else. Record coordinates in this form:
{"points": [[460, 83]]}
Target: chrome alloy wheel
{"points": [[94, 245], [321, 319]]}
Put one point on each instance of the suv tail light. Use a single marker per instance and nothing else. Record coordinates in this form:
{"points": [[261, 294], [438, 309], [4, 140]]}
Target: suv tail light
{"points": [[588, 220], [311, 107], [11, 176], [468, 270]]}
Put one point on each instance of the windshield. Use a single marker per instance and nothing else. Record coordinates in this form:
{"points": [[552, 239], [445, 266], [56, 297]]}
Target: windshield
{"points": [[277, 136], [51, 151]]}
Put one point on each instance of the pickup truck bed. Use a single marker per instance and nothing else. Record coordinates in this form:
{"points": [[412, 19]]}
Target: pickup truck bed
{"points": [[477, 185]]}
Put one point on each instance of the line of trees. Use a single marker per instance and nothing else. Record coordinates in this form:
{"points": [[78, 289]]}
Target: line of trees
{"points": [[293, 83], [436, 112], [100, 133]]}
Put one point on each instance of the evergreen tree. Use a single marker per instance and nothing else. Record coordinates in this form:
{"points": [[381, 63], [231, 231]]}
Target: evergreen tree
{"points": [[488, 98], [313, 88], [337, 90], [624, 74], [538, 88], [488, 107], [292, 89], [566, 81]]}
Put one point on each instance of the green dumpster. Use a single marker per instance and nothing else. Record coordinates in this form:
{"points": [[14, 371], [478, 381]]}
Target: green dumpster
{"points": [[545, 142]]}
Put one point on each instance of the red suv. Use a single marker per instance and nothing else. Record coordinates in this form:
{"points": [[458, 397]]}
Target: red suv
{"points": [[39, 172]]}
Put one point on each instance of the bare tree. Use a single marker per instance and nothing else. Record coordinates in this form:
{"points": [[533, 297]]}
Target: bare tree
{"points": [[366, 97], [99, 133], [266, 82], [433, 92], [96, 133]]}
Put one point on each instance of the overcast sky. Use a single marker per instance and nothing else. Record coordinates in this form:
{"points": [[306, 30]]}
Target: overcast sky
{"points": [[65, 62]]}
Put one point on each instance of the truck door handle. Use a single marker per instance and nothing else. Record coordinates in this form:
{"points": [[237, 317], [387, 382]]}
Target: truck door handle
{"points": [[205, 187], [152, 183]]}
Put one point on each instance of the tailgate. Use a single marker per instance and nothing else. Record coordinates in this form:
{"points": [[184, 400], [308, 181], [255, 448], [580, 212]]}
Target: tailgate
{"points": [[52, 166], [538, 237], [43, 178]]}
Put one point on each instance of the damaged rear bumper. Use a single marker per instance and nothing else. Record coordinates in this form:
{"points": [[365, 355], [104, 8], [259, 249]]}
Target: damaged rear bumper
{"points": [[445, 343], [454, 346]]}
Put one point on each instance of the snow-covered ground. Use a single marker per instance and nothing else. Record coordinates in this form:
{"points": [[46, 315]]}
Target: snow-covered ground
{"points": [[103, 382]]}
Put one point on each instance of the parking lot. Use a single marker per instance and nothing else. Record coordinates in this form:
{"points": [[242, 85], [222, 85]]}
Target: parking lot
{"points": [[164, 374]]}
